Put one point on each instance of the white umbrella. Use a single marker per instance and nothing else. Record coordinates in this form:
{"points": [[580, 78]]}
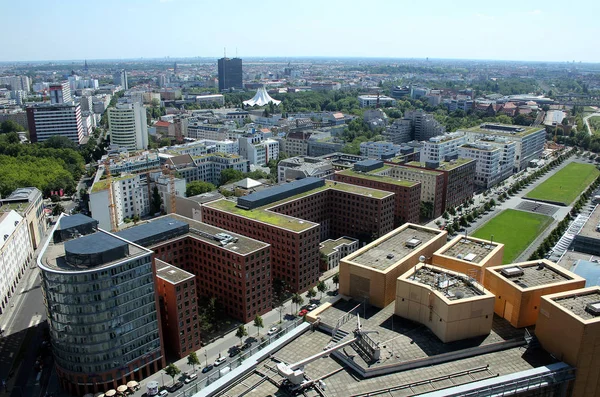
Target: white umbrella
{"points": [[110, 393], [99, 395], [131, 384], [122, 388]]}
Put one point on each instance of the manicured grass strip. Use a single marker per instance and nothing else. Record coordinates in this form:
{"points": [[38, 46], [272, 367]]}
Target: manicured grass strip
{"points": [[515, 229], [566, 184]]}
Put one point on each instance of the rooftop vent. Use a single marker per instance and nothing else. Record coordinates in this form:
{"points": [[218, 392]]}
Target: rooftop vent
{"points": [[459, 294], [593, 308], [512, 271], [469, 257], [390, 256], [541, 266], [413, 243]]}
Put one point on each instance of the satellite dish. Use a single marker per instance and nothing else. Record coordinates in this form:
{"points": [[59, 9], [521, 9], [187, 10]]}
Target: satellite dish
{"points": [[459, 294], [422, 258]]}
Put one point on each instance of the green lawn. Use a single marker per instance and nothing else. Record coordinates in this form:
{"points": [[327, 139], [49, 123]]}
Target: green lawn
{"points": [[566, 184], [515, 229], [595, 124]]}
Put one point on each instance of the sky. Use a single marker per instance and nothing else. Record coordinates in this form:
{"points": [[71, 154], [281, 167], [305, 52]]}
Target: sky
{"points": [[125, 29]]}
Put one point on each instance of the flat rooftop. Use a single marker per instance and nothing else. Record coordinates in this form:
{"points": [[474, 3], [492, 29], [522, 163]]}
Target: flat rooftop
{"points": [[378, 178], [416, 164], [504, 129], [589, 229], [402, 341], [54, 255], [328, 246], [451, 285], [264, 214], [534, 275], [393, 249], [172, 274], [576, 304], [469, 250]]}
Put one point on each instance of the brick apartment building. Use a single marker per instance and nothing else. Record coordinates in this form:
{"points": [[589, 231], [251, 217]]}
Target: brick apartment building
{"points": [[178, 309], [459, 178], [407, 194], [293, 218], [234, 269]]}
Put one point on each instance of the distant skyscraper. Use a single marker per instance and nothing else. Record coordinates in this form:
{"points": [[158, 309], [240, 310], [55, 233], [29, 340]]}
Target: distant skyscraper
{"points": [[85, 66], [162, 80], [230, 73], [60, 93], [120, 78]]}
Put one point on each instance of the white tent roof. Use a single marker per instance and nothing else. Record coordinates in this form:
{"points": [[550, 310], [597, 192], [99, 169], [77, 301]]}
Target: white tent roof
{"points": [[261, 98], [247, 183]]}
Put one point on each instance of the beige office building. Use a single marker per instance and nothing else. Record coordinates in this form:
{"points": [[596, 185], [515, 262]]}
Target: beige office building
{"points": [[450, 304], [519, 288], [371, 272]]}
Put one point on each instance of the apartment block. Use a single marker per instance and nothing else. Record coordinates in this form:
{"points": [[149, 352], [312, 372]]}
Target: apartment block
{"points": [[294, 217], [432, 184], [332, 251], [424, 125], [15, 253], [442, 147], [529, 141], [46, 121], [398, 132], [407, 194], [375, 150], [28, 203], [365, 101], [487, 158]]}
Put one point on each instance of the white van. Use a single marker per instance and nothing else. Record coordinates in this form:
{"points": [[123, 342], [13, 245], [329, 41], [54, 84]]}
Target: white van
{"points": [[190, 378]]}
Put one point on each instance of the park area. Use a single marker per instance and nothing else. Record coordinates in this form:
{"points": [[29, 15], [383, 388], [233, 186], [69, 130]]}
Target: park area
{"points": [[515, 229], [564, 186]]}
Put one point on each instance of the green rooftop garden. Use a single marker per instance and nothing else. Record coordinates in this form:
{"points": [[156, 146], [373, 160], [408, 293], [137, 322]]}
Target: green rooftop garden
{"points": [[379, 178], [526, 130]]}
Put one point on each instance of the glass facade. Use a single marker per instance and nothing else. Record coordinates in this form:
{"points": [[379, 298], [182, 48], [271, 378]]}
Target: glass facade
{"points": [[102, 320]]}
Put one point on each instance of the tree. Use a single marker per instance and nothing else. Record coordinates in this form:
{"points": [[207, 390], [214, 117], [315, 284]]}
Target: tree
{"points": [[172, 370], [193, 360], [230, 175], [311, 293], [58, 209], [258, 323], [135, 219], [60, 142], [198, 187], [322, 287], [336, 279], [10, 126], [280, 308], [155, 201], [297, 300], [241, 332]]}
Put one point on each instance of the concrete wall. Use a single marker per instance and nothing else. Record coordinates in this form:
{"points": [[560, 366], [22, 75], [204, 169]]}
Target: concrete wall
{"points": [[520, 306], [448, 320]]}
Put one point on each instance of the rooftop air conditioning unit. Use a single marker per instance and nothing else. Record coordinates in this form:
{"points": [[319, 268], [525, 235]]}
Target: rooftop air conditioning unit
{"points": [[512, 271], [413, 243], [593, 308]]}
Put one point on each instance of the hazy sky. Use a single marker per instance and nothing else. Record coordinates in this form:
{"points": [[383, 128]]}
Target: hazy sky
{"points": [[98, 29]]}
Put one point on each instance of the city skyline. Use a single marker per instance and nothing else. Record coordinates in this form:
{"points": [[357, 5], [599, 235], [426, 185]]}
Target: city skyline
{"points": [[437, 30]]}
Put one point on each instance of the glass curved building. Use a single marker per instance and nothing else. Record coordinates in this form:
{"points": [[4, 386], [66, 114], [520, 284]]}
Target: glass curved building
{"points": [[102, 309]]}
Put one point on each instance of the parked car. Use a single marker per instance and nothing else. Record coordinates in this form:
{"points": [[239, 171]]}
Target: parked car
{"points": [[207, 368], [312, 307], [220, 361], [163, 393], [302, 312], [273, 331], [246, 346], [175, 387], [191, 378], [234, 352]]}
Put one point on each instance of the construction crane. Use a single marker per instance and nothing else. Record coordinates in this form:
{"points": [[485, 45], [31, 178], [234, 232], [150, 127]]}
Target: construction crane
{"points": [[111, 199], [171, 173]]}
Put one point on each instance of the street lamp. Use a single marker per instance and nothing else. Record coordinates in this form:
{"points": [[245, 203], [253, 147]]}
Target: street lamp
{"points": [[206, 358]]}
